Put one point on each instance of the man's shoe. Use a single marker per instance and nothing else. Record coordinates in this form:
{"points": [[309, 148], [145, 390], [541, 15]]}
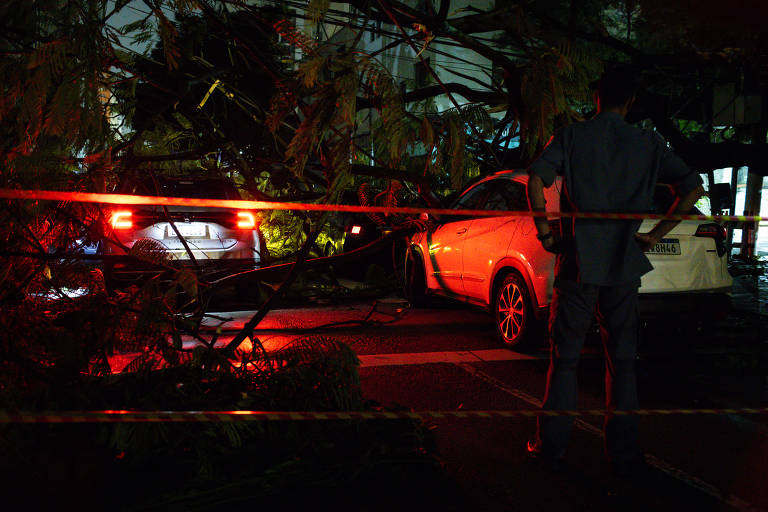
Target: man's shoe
{"points": [[548, 463]]}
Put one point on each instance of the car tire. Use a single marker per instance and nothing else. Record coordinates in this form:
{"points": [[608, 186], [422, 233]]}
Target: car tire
{"points": [[415, 286], [110, 285], [512, 311]]}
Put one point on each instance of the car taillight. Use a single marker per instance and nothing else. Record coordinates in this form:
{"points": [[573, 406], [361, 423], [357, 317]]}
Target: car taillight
{"points": [[715, 231], [711, 231], [122, 219], [246, 220]]}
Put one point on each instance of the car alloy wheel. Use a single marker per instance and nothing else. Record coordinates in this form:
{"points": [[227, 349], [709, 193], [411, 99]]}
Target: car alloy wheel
{"points": [[512, 309]]}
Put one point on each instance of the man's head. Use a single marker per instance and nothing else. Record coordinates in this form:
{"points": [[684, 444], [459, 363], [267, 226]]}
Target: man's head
{"points": [[616, 90]]}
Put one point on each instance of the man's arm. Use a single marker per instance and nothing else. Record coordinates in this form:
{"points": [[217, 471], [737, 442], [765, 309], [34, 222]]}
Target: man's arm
{"points": [[541, 174], [538, 204], [684, 206], [672, 169]]}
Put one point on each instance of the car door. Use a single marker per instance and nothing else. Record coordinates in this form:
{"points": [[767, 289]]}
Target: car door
{"points": [[488, 238], [446, 243]]}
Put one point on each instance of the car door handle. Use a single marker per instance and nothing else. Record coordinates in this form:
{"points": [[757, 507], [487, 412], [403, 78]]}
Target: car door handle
{"points": [[461, 230]]}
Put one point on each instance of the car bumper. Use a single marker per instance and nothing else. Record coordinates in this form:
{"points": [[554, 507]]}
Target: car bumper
{"points": [[129, 271], [707, 302]]}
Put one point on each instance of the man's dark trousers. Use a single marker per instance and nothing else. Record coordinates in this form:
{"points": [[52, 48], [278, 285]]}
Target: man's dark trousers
{"points": [[572, 311]]}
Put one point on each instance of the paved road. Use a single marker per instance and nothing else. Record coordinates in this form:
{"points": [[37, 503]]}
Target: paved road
{"points": [[446, 357]]}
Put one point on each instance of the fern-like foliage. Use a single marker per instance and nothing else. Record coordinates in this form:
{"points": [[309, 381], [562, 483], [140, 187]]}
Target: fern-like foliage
{"points": [[316, 9], [555, 81], [286, 30], [324, 94], [149, 251], [57, 102], [459, 123]]}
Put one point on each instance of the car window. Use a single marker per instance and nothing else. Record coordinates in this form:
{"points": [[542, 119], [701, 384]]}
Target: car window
{"points": [[473, 198], [203, 189], [195, 188], [507, 195]]}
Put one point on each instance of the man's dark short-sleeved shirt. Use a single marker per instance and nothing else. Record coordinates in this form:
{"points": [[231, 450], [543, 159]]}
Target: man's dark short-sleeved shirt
{"points": [[608, 165]]}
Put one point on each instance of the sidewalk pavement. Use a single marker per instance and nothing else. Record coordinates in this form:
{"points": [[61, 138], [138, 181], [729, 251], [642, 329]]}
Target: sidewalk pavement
{"points": [[750, 294]]}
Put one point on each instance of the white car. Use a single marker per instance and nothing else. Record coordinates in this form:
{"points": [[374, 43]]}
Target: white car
{"points": [[497, 262]]}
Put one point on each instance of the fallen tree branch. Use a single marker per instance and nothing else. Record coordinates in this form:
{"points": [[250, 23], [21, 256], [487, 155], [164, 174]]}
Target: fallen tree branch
{"points": [[276, 271], [472, 95], [293, 269], [293, 272]]}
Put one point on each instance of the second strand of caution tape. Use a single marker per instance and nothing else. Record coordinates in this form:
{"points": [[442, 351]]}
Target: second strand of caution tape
{"points": [[108, 416]]}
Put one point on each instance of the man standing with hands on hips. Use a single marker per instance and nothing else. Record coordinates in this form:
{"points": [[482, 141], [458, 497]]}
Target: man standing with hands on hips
{"points": [[609, 166]]}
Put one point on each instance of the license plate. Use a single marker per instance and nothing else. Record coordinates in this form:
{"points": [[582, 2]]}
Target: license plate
{"points": [[188, 230], [670, 246]]}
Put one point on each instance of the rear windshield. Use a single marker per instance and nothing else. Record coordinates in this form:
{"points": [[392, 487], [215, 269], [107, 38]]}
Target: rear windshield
{"points": [[195, 188]]}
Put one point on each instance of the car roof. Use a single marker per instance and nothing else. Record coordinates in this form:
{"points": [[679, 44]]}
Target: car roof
{"points": [[511, 174], [212, 187]]}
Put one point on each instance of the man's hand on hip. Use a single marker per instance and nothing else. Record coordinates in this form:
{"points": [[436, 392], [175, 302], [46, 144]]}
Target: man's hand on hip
{"points": [[646, 241], [684, 205], [551, 244]]}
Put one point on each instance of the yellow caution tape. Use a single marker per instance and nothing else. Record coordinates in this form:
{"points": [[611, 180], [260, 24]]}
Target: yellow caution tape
{"points": [[128, 416]]}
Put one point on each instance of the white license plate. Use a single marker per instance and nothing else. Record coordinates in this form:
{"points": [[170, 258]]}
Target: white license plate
{"points": [[670, 246], [191, 230]]}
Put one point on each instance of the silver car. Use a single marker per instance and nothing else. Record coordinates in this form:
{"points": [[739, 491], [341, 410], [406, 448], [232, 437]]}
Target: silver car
{"points": [[213, 240]]}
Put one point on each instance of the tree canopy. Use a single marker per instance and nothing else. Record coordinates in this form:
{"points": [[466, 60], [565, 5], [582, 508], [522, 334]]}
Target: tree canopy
{"points": [[291, 101], [221, 87]]}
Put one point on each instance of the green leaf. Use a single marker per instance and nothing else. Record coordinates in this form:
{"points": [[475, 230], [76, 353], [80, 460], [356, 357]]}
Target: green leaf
{"points": [[309, 71], [183, 121], [317, 9], [187, 281]]}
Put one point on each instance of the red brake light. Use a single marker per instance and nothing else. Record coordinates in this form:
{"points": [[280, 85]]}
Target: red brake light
{"points": [[716, 232], [246, 220], [122, 219], [355, 230], [711, 231]]}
